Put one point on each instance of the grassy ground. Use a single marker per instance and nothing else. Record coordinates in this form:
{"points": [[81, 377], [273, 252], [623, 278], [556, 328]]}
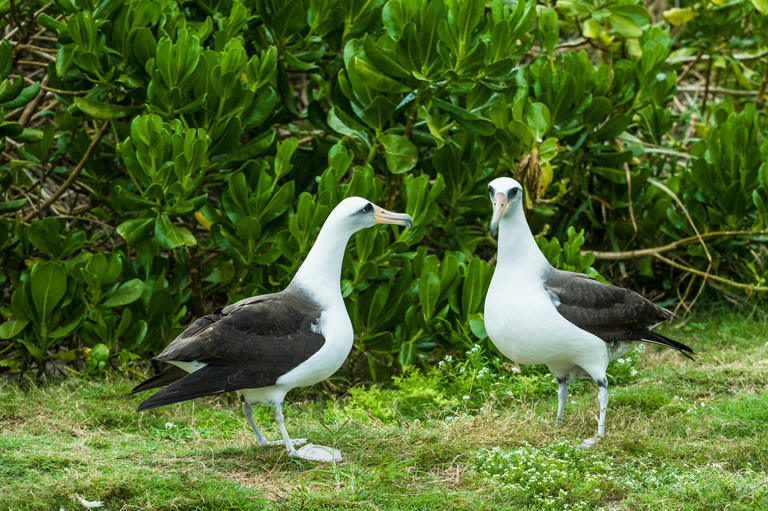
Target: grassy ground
{"points": [[680, 435]]}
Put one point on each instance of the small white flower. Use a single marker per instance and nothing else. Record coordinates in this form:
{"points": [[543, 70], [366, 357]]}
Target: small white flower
{"points": [[466, 398], [169, 425]]}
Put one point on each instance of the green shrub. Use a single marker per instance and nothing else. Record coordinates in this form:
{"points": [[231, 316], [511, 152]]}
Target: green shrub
{"points": [[188, 153]]}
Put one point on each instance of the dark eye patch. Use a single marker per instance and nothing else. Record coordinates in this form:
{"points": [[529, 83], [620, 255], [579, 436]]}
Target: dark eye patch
{"points": [[367, 209], [513, 192]]}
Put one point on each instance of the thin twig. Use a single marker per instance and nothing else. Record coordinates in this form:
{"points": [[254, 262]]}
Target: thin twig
{"points": [[71, 179], [91, 220], [690, 67], [669, 192], [32, 63], [651, 252], [32, 106], [736, 56], [40, 52], [572, 44], [34, 17], [719, 90], [748, 287], [57, 91]]}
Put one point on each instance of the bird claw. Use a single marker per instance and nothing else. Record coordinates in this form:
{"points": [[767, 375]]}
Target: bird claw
{"points": [[317, 453]]}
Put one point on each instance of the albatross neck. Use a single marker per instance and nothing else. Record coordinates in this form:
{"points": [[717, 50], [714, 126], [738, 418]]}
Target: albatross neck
{"points": [[320, 274], [518, 251]]}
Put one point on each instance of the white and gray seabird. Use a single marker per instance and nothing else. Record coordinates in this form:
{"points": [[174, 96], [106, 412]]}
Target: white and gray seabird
{"points": [[576, 325], [264, 346]]}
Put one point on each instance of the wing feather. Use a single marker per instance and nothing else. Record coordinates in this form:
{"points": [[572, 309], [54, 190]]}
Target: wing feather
{"points": [[245, 345], [609, 312]]}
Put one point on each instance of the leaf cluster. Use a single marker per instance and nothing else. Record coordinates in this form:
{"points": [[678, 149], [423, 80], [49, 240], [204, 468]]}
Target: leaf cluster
{"points": [[231, 128]]}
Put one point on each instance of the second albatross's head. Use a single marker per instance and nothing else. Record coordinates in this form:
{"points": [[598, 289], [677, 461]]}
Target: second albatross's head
{"points": [[355, 213], [504, 192]]}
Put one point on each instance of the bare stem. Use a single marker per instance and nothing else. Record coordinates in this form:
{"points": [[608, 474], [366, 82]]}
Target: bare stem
{"points": [[73, 177]]}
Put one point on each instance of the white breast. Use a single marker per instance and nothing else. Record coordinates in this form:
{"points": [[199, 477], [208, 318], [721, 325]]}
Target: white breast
{"points": [[334, 325], [522, 321]]}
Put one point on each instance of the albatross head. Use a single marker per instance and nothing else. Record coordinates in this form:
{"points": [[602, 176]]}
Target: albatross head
{"points": [[355, 213], [505, 192]]}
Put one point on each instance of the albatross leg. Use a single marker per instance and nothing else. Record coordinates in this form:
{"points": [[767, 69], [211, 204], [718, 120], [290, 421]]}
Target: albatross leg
{"points": [[602, 398], [248, 411], [562, 395], [308, 452], [281, 424]]}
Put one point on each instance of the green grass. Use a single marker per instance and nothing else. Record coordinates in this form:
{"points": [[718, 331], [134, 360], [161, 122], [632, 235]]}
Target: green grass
{"points": [[680, 435]]}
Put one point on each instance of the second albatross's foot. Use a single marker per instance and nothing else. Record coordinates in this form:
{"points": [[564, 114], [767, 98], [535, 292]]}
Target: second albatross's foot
{"points": [[295, 441], [317, 453], [588, 442]]}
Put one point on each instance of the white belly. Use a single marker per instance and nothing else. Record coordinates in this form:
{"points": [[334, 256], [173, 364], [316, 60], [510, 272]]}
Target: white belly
{"points": [[525, 326], [339, 336]]}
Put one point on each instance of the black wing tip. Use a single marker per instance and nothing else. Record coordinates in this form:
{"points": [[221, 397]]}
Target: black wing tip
{"points": [[662, 340], [150, 403]]}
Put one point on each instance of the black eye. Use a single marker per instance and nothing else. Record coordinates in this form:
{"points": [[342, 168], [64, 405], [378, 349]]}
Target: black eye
{"points": [[513, 192], [367, 209]]}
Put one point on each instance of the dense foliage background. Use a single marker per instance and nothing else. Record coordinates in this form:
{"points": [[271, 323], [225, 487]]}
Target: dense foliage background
{"points": [[162, 157]]}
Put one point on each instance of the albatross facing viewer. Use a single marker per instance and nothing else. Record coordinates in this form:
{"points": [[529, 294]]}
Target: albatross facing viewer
{"points": [[536, 314], [264, 346]]}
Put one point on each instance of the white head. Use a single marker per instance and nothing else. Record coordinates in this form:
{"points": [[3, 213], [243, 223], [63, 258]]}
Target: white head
{"points": [[355, 213], [505, 194], [321, 272]]}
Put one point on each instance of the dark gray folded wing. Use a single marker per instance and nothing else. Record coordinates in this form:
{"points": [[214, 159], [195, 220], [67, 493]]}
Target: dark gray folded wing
{"points": [[246, 345], [609, 312]]}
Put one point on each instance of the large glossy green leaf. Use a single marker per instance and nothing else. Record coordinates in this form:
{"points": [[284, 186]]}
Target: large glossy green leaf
{"points": [[135, 231], [229, 242], [477, 325], [10, 90], [471, 293], [6, 58], [128, 292], [384, 60], [100, 110], [377, 80], [171, 236], [11, 206], [466, 119], [538, 119], [429, 293], [47, 287], [11, 329], [400, 153]]}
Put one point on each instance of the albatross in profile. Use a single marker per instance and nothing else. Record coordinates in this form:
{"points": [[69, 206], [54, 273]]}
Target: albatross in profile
{"points": [[264, 346], [536, 314]]}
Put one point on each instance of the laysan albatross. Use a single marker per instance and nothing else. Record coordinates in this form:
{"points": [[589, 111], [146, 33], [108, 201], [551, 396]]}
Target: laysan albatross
{"points": [[573, 323], [264, 346]]}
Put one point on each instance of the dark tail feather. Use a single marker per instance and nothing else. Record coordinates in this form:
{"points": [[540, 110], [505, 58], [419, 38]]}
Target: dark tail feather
{"points": [[207, 381], [654, 338], [167, 377]]}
